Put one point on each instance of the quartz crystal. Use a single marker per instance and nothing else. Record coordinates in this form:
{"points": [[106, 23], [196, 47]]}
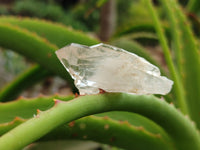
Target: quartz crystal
{"points": [[111, 69]]}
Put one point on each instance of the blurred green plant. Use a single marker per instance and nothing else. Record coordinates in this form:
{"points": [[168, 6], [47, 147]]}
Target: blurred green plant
{"points": [[125, 121], [3, 10], [88, 14], [37, 9], [50, 11], [14, 63]]}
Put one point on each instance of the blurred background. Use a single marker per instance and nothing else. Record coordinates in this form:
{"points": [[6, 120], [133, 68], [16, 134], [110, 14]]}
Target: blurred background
{"points": [[102, 19], [105, 20]]}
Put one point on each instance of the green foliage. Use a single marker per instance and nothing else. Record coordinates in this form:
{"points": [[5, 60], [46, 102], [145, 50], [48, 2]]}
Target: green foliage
{"points": [[88, 13], [135, 27], [3, 10], [188, 57], [38, 9], [119, 119], [141, 30], [54, 33], [36, 127], [178, 88], [13, 63], [23, 81], [53, 12], [193, 6], [131, 12], [33, 42], [84, 127]]}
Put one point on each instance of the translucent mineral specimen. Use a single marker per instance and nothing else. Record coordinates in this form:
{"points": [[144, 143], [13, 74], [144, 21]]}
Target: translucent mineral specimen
{"points": [[112, 69]]}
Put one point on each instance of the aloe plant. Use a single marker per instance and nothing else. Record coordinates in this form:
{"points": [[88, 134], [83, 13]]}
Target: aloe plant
{"points": [[119, 119]]}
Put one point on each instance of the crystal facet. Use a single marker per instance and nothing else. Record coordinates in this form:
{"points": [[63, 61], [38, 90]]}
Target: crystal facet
{"points": [[112, 69]]}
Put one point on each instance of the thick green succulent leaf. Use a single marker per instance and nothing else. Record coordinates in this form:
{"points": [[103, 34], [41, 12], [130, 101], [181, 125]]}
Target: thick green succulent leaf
{"points": [[190, 60], [32, 46], [109, 131], [142, 29], [162, 113], [136, 120], [129, 128], [113, 132], [187, 56], [178, 86], [193, 6], [136, 27], [55, 33], [24, 80], [26, 108]]}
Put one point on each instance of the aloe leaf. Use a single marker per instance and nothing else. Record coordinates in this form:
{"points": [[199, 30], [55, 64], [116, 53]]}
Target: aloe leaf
{"points": [[171, 120], [175, 32], [45, 54], [32, 46], [140, 28], [178, 86], [136, 27], [26, 108], [55, 33], [23, 81], [193, 6], [109, 131], [135, 128], [112, 132], [135, 120], [190, 62]]}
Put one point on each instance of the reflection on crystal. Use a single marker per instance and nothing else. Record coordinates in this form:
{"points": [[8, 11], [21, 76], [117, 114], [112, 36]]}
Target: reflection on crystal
{"points": [[112, 69]]}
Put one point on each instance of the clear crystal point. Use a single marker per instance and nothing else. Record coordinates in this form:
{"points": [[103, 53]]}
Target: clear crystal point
{"points": [[112, 69]]}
